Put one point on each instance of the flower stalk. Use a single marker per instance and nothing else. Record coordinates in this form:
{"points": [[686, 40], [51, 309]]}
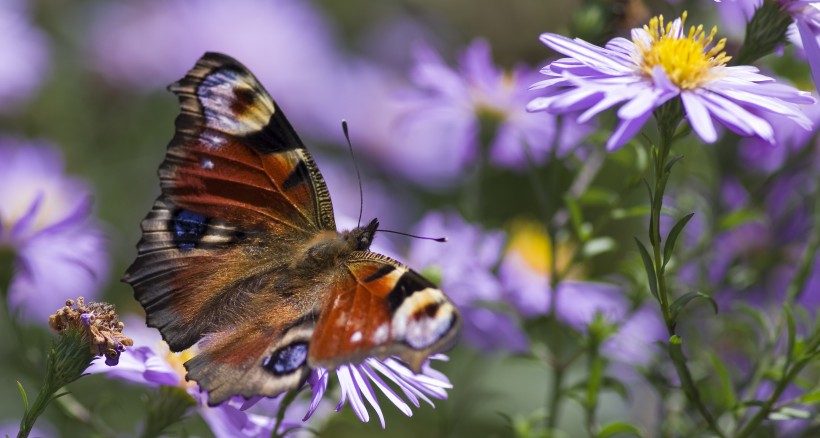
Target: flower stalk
{"points": [[668, 117], [85, 333], [68, 359]]}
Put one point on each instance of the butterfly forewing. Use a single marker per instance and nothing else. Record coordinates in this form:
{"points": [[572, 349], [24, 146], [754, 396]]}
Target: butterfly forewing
{"points": [[236, 157]]}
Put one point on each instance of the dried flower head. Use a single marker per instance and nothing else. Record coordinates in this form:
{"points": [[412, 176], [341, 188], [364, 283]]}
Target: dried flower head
{"points": [[99, 325]]}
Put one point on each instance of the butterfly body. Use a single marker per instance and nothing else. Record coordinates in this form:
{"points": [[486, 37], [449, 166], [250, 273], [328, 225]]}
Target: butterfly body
{"points": [[240, 253]]}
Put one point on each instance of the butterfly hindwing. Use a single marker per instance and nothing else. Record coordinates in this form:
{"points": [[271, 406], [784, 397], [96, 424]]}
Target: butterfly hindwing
{"points": [[379, 307]]}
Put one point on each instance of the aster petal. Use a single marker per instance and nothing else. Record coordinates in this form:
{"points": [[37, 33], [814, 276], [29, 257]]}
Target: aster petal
{"points": [[622, 47], [604, 104], [409, 391], [811, 44], [24, 223], [626, 130], [737, 118], [386, 390], [698, 116], [364, 387], [586, 53], [318, 385], [351, 392]]}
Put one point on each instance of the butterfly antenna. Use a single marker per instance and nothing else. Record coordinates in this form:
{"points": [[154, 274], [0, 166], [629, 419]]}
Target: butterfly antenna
{"points": [[358, 174], [434, 239]]}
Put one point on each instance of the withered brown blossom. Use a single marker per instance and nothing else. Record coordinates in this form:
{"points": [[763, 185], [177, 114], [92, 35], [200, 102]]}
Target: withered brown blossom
{"points": [[99, 325]]}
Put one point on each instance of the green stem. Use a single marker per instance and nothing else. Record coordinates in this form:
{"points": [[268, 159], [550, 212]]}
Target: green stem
{"points": [[288, 398], [788, 376], [596, 370], [668, 117], [67, 360], [554, 400]]}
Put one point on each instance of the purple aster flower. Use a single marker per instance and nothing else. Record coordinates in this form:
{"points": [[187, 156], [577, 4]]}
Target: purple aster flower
{"points": [[357, 380], [663, 62], [806, 14], [464, 265], [46, 221], [451, 106], [525, 274], [149, 362], [28, 47], [286, 43], [805, 32]]}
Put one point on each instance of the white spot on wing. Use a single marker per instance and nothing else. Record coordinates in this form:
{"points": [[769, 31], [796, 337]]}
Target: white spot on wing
{"points": [[207, 164], [414, 325], [356, 337], [380, 335]]}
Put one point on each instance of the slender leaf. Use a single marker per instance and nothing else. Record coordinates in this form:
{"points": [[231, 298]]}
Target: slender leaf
{"points": [[598, 246], [627, 213], [681, 302], [811, 398], [610, 383], [672, 162], [23, 395], [618, 427], [669, 245], [787, 413], [575, 215], [650, 269], [597, 196], [791, 333], [726, 390]]}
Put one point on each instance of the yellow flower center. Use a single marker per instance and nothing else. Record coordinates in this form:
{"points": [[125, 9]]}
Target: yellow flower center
{"points": [[687, 60], [176, 360], [529, 240], [533, 245]]}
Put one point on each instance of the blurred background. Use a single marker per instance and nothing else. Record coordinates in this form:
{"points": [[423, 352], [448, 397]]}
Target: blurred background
{"points": [[88, 78]]}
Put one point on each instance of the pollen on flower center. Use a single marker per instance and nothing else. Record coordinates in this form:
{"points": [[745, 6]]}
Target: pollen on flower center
{"points": [[687, 59], [177, 361]]}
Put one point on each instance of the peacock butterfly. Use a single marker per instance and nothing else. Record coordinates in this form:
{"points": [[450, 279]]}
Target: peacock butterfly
{"points": [[241, 252]]}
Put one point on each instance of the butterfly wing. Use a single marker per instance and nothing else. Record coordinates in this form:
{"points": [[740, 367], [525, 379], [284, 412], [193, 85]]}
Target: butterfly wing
{"points": [[371, 306], [239, 193], [379, 307]]}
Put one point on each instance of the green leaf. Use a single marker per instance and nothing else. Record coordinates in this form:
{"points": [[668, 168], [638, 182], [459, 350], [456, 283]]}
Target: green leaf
{"points": [[787, 413], [681, 302], [650, 269], [790, 332], [631, 212], [598, 246], [672, 162], [23, 395], [576, 217], [610, 383], [595, 196], [811, 398], [737, 217], [618, 427], [669, 245], [726, 390]]}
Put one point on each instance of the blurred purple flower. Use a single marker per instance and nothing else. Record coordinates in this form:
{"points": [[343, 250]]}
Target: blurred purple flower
{"points": [[524, 273], [465, 267], [45, 219], [355, 382], [806, 14], [805, 33], [28, 47], [149, 362], [661, 63], [450, 107], [287, 44], [758, 154]]}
